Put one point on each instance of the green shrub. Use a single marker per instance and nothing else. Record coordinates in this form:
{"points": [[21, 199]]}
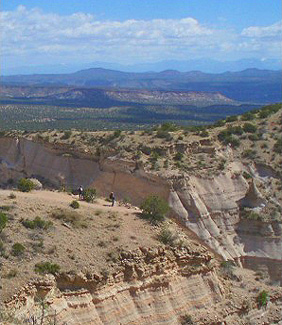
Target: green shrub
{"points": [[25, 185], [251, 215], [117, 133], [254, 137], [66, 135], [248, 116], [226, 137], [168, 126], [235, 142], [278, 146], [264, 113], [223, 135], [263, 298], [232, 118], [37, 223], [74, 204], [219, 123], [46, 267], [249, 128], [164, 134], [160, 151], [3, 221], [235, 130], [89, 194], [154, 208], [18, 249], [154, 157]]}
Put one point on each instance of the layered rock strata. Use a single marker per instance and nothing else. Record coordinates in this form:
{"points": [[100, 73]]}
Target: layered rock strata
{"points": [[208, 207], [150, 286]]}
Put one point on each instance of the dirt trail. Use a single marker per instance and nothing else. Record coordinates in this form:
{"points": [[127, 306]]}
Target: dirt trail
{"points": [[64, 197]]}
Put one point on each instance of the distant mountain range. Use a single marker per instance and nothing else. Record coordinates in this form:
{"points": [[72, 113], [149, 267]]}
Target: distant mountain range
{"points": [[204, 65], [250, 85]]}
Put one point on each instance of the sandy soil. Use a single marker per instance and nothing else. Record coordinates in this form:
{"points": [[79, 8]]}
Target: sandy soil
{"points": [[92, 244]]}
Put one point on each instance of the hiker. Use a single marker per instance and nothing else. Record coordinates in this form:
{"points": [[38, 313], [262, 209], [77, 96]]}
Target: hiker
{"points": [[80, 192], [112, 198]]}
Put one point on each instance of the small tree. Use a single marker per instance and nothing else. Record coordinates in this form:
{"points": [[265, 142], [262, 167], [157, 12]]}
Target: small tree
{"points": [[89, 194], [231, 118], [117, 133], [25, 185], [154, 208], [263, 298], [18, 249], [249, 128]]}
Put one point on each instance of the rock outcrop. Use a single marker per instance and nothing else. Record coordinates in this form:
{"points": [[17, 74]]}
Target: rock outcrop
{"points": [[208, 207], [148, 287]]}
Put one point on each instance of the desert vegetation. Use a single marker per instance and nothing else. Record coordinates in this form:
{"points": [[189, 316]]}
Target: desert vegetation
{"points": [[46, 267], [101, 235], [154, 208], [25, 185]]}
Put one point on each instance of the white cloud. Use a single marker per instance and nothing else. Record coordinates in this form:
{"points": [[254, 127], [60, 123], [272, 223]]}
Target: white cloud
{"points": [[265, 40], [35, 35], [273, 31]]}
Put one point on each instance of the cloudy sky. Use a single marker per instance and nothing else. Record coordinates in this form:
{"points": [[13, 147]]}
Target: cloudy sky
{"points": [[136, 31]]}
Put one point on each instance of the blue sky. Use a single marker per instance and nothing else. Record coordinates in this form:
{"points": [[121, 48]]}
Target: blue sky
{"points": [[239, 13], [136, 31]]}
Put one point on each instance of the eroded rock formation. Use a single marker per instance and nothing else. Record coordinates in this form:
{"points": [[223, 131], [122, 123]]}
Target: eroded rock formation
{"points": [[147, 287], [209, 207]]}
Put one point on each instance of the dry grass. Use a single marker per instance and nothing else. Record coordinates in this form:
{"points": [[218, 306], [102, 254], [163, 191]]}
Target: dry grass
{"points": [[68, 243], [73, 218]]}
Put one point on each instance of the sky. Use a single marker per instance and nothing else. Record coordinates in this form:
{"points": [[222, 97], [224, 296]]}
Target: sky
{"points": [[137, 31]]}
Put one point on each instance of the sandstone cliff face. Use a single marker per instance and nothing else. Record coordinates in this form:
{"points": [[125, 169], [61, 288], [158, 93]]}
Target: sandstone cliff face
{"points": [[150, 286], [21, 158], [209, 207]]}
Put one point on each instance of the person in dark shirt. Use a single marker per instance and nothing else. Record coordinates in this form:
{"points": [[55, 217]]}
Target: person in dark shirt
{"points": [[80, 192], [112, 198]]}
